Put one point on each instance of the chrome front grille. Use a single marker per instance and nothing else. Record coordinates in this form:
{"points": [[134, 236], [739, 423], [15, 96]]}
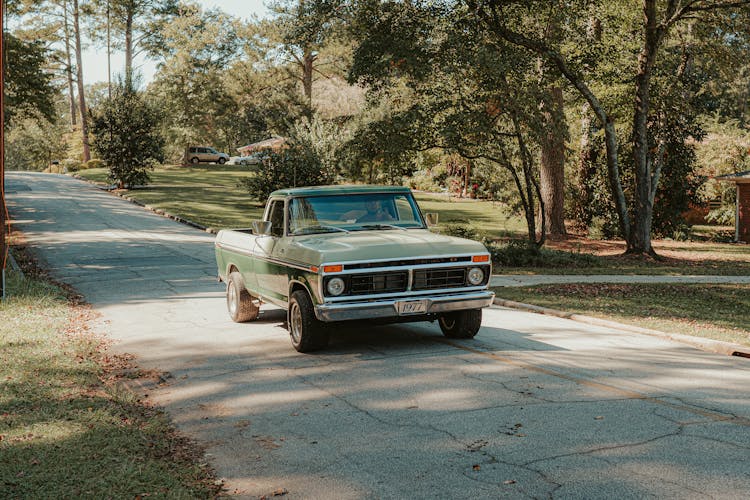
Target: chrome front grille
{"points": [[362, 284], [429, 279]]}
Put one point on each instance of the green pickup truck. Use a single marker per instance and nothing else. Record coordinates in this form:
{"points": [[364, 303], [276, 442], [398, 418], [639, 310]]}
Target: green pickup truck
{"points": [[341, 253]]}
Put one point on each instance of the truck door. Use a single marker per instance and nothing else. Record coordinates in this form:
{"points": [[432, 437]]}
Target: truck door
{"points": [[270, 273]]}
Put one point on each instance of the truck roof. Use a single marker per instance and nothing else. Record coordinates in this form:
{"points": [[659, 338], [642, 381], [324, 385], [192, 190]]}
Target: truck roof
{"points": [[334, 190]]}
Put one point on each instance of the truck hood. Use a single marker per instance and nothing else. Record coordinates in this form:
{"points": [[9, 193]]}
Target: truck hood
{"points": [[378, 245]]}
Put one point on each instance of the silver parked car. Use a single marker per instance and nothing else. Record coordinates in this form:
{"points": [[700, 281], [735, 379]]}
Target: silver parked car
{"points": [[251, 159], [205, 154]]}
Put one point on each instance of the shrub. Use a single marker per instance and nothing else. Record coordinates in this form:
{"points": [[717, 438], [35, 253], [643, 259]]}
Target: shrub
{"points": [[462, 229], [70, 165], [522, 253], [126, 136], [291, 167], [94, 163]]}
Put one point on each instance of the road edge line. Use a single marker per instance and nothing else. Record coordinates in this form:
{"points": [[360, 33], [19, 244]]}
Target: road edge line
{"points": [[710, 345]]}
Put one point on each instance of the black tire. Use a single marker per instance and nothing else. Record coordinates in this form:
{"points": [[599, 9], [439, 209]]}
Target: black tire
{"points": [[306, 332], [241, 305], [222, 161], [195, 160], [461, 324]]}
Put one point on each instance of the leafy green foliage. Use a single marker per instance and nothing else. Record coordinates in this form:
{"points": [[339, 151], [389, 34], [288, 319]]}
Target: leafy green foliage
{"points": [[33, 143], [520, 253], [189, 87], [292, 167], [126, 136], [29, 91]]}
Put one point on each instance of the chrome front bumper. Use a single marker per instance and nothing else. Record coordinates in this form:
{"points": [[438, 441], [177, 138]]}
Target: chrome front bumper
{"points": [[389, 308]]}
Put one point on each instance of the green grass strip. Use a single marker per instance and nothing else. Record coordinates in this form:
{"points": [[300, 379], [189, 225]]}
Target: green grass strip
{"points": [[65, 433], [716, 312]]}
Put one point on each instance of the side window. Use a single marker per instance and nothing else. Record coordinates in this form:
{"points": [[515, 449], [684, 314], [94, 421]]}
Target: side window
{"points": [[203, 150], [276, 216], [193, 150]]}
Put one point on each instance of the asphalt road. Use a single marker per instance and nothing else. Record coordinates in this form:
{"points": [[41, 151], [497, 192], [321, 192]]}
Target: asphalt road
{"points": [[535, 406]]}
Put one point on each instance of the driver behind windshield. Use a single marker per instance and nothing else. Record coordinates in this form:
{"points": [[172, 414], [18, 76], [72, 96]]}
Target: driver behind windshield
{"points": [[375, 212]]}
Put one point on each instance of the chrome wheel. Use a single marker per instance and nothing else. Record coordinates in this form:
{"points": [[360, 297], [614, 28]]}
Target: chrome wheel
{"points": [[295, 323]]}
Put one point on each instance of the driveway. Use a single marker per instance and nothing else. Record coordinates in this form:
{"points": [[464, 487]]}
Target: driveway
{"points": [[535, 406]]}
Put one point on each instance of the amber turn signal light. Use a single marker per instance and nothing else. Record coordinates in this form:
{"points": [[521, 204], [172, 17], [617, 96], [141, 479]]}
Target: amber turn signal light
{"points": [[480, 258], [336, 268]]}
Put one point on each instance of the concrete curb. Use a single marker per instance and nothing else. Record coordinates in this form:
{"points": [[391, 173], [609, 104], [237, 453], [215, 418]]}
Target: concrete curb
{"points": [[157, 211], [709, 345]]}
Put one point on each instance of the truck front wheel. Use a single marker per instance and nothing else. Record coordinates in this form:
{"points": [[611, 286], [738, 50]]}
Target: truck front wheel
{"points": [[240, 304], [307, 333], [461, 324]]}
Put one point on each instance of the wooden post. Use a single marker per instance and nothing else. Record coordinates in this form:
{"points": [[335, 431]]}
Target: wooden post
{"points": [[3, 247], [737, 215]]}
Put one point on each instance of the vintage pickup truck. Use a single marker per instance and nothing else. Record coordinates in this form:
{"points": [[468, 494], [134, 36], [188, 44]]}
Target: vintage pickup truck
{"points": [[341, 253]]}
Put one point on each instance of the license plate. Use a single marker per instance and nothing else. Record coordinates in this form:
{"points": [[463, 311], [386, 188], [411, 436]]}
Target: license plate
{"points": [[411, 307]]}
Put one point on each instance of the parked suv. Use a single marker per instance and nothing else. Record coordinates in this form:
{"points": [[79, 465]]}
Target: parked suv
{"points": [[207, 155]]}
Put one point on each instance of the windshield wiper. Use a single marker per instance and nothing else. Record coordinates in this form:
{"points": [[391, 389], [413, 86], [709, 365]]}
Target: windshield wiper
{"points": [[382, 226], [313, 229]]}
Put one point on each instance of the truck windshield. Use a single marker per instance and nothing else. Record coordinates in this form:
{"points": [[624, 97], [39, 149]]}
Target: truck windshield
{"points": [[356, 212]]}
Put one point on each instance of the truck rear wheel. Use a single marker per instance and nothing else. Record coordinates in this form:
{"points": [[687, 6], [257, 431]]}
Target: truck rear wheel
{"points": [[461, 324], [241, 305], [307, 333]]}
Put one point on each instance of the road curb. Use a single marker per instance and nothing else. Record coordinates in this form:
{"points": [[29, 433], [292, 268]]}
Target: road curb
{"points": [[716, 346], [157, 211]]}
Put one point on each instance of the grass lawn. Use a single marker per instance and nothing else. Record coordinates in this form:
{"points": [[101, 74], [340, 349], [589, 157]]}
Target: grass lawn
{"points": [[208, 195], [66, 430], [711, 311]]}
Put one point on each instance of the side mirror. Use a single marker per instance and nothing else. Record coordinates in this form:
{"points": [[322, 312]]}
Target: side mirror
{"points": [[431, 219], [262, 227]]}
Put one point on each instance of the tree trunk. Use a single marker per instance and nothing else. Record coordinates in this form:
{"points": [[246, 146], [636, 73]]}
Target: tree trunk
{"points": [[79, 72], [307, 75], [586, 169], [69, 67], [639, 239], [129, 43], [552, 164], [588, 152]]}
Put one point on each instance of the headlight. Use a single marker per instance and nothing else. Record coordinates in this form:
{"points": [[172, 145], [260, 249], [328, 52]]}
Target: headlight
{"points": [[476, 276], [335, 286]]}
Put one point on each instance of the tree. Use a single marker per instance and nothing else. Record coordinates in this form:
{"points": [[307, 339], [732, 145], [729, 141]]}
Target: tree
{"points": [[135, 25], [308, 33], [442, 83], [197, 49], [32, 143], [296, 165], [505, 18], [79, 77], [126, 135], [29, 91]]}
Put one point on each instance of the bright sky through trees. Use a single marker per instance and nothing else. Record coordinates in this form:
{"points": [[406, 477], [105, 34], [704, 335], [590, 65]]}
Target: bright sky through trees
{"points": [[95, 58]]}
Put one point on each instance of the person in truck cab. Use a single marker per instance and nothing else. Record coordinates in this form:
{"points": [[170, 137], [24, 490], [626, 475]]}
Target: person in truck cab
{"points": [[375, 212]]}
